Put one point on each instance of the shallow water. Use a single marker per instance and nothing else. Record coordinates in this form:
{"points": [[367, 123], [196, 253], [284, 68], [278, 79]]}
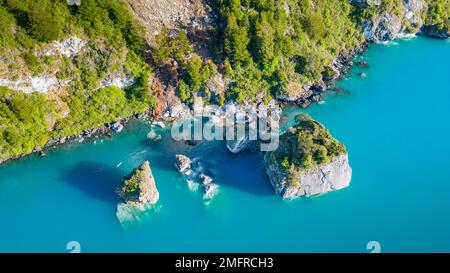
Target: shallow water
{"points": [[395, 124]]}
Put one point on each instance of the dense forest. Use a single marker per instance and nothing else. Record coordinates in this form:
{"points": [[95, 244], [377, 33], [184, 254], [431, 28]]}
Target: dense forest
{"points": [[116, 44], [267, 47]]}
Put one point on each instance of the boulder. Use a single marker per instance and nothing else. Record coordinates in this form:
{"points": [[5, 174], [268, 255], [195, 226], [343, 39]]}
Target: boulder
{"points": [[209, 191], [116, 127], [183, 163], [205, 179]]}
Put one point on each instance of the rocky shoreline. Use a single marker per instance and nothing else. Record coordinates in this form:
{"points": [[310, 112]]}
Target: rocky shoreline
{"points": [[106, 130], [384, 27], [314, 92]]}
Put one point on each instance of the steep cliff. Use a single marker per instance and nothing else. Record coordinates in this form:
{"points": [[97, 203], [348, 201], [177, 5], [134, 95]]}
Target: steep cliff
{"points": [[384, 20]]}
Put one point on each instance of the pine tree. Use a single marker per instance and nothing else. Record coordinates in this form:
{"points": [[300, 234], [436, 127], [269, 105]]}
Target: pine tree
{"points": [[236, 42]]}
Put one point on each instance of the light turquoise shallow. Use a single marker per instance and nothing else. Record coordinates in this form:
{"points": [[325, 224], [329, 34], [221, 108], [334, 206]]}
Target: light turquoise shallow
{"points": [[395, 124]]}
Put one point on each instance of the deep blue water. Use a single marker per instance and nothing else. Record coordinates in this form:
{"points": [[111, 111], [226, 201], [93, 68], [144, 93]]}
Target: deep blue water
{"points": [[395, 124]]}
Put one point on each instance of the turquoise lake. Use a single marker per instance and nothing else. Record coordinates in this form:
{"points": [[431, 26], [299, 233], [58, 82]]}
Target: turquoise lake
{"points": [[395, 124]]}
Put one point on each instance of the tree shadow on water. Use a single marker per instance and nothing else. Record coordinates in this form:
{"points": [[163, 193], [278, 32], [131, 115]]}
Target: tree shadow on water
{"points": [[95, 180]]}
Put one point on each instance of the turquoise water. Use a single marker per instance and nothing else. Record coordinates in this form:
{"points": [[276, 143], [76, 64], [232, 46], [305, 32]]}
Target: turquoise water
{"points": [[395, 124]]}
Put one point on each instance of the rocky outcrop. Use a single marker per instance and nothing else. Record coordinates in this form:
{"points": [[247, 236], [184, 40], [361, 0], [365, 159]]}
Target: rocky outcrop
{"points": [[138, 193], [320, 179], [30, 84], [139, 188], [308, 161], [195, 174], [390, 22], [414, 10], [182, 163], [435, 32], [69, 47], [116, 126], [384, 28], [117, 81]]}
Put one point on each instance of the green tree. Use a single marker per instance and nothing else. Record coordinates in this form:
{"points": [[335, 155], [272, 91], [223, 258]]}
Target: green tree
{"points": [[194, 76], [162, 51], [265, 44], [183, 91], [236, 41], [181, 46], [44, 26]]}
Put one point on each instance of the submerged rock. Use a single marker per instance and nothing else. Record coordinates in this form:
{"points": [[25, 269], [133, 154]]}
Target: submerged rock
{"points": [[309, 161], [209, 191], [182, 163], [153, 136], [362, 64], [139, 188]]}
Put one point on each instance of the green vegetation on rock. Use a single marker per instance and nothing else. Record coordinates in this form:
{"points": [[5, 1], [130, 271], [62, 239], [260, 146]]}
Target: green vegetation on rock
{"points": [[275, 46], [115, 47], [438, 14], [305, 145], [25, 121], [131, 185]]}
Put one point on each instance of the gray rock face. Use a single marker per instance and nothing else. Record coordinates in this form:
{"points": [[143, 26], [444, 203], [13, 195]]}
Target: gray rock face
{"points": [[388, 25], [414, 10], [182, 163], [382, 29], [320, 179], [193, 171]]}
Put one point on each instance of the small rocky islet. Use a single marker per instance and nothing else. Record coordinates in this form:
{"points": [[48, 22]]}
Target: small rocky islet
{"points": [[137, 193], [309, 161]]}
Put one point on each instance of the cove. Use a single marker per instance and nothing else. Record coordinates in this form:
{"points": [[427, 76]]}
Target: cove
{"points": [[395, 124]]}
